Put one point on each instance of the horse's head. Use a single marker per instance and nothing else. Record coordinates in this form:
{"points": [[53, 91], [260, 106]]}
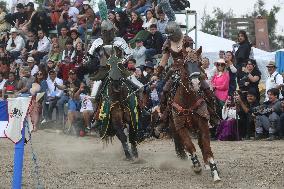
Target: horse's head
{"points": [[193, 62]]}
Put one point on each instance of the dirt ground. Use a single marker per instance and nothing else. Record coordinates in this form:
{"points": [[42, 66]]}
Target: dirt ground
{"points": [[72, 162]]}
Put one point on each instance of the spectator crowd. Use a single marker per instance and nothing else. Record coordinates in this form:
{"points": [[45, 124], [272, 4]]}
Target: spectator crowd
{"points": [[45, 50]]}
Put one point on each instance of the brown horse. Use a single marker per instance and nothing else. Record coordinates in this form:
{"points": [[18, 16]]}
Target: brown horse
{"points": [[189, 111]]}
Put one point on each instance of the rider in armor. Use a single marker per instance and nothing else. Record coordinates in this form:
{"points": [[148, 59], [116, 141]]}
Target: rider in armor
{"points": [[178, 47]]}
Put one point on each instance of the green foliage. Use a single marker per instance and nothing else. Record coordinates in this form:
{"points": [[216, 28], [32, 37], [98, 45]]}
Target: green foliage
{"points": [[210, 24]]}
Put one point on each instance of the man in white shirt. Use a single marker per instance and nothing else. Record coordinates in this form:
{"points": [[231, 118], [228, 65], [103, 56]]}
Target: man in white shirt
{"points": [[274, 79], [15, 44], [53, 94], [43, 46]]}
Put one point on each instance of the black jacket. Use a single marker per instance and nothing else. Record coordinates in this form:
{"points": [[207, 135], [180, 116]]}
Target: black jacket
{"points": [[242, 54], [155, 41]]}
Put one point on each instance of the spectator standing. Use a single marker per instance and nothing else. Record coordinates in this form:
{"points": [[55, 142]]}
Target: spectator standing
{"points": [[40, 21], [85, 19], [15, 3], [274, 79], [26, 81], [244, 49], [220, 83], [20, 17], [15, 44], [139, 52], [229, 57]]}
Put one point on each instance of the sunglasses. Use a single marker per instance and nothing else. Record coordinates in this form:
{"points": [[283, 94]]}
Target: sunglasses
{"points": [[221, 64]]}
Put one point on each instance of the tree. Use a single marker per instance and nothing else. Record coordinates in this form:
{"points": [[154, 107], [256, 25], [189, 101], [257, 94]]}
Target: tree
{"points": [[211, 24], [208, 24]]}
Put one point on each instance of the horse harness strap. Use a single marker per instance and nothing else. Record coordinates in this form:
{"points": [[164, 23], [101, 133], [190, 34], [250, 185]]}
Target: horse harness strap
{"points": [[180, 110]]}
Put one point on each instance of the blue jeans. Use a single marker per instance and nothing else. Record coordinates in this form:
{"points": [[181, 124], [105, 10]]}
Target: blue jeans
{"points": [[141, 10], [60, 106], [150, 53]]}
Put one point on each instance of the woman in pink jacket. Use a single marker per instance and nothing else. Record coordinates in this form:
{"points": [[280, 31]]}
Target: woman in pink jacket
{"points": [[220, 82]]}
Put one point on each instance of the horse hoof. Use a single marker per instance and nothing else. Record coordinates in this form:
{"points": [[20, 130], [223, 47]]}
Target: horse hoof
{"points": [[216, 177], [197, 169]]}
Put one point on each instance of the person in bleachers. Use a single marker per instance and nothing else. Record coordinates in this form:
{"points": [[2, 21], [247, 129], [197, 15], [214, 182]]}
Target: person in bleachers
{"points": [[14, 4], [33, 67], [20, 17], [63, 37], [41, 21], [162, 22], [31, 45], [11, 85], [122, 23], [149, 19], [15, 44], [43, 46], [153, 43], [274, 79], [86, 19], [26, 80], [78, 60], [30, 11], [70, 86], [139, 53], [69, 50], [55, 54], [2, 83], [134, 27], [52, 96], [75, 36], [4, 25], [69, 15], [142, 6]]}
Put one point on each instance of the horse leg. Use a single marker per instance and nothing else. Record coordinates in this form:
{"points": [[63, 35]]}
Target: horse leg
{"points": [[118, 127], [183, 134], [180, 152], [204, 143]]}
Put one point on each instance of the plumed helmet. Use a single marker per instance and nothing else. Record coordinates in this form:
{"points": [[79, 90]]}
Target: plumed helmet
{"points": [[173, 31], [106, 25]]}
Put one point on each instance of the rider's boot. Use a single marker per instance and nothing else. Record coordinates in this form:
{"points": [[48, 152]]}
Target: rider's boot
{"points": [[196, 164]]}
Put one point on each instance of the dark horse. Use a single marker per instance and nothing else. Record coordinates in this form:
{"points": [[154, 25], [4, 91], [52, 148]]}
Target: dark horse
{"points": [[118, 110], [189, 111]]}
